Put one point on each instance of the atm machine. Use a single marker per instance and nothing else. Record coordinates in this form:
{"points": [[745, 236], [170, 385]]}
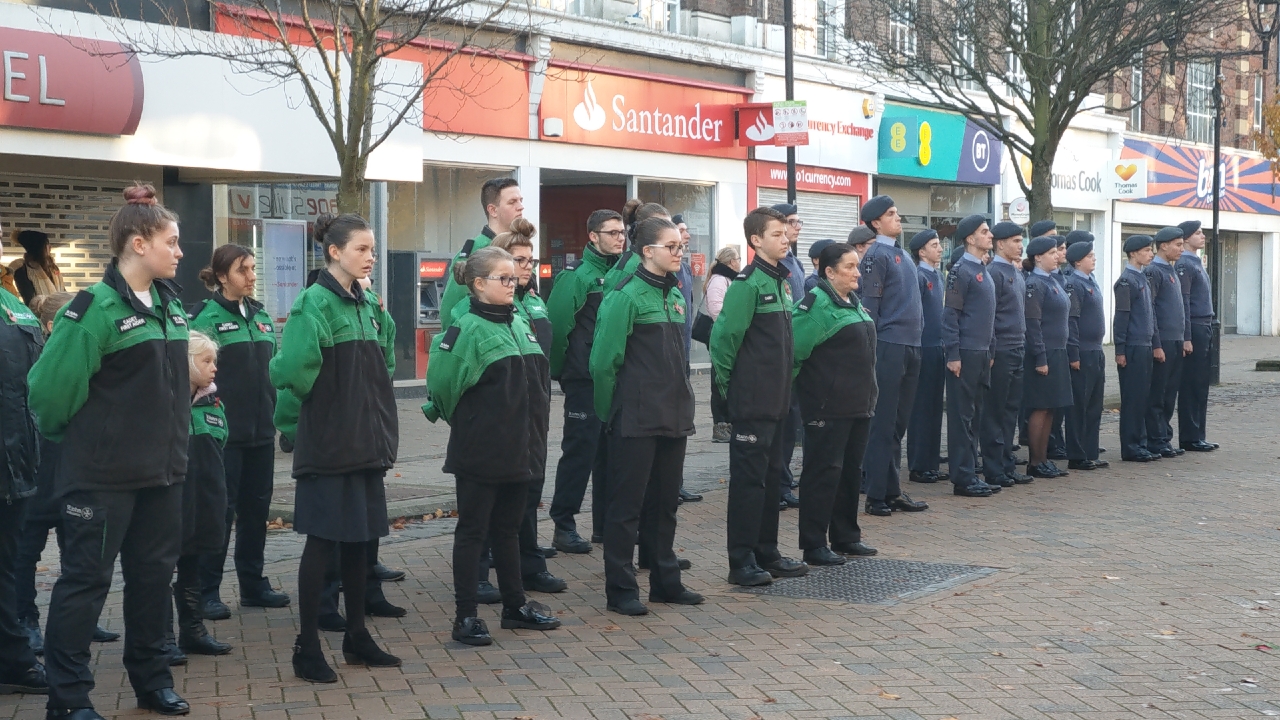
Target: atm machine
{"points": [[416, 281]]}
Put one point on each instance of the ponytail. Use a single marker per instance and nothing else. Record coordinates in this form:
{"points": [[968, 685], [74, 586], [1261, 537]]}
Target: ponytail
{"points": [[479, 264]]}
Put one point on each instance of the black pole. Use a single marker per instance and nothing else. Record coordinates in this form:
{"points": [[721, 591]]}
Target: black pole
{"points": [[788, 23], [1215, 250]]}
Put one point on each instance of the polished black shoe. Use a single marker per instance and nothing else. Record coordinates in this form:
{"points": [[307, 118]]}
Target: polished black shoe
{"points": [[266, 599], [683, 563], [1213, 445], [1197, 447], [530, 616], [878, 507], [196, 642], [856, 549], [332, 622], [471, 631], [28, 682], [102, 635], [749, 576], [382, 608], [823, 556], [1041, 470], [176, 656], [31, 628], [686, 597], [544, 582], [215, 610], [164, 701], [73, 714], [1019, 478], [1099, 464], [790, 500], [386, 574], [569, 541], [1082, 465], [927, 476], [487, 594], [686, 496], [785, 567], [942, 475], [359, 648], [904, 503], [1003, 481], [1054, 467], [1172, 453], [631, 606], [978, 489], [549, 552], [310, 665]]}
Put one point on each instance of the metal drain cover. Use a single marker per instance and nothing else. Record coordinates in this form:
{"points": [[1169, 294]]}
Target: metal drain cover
{"points": [[873, 581]]}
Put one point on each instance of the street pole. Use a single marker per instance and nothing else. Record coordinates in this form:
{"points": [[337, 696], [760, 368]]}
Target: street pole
{"points": [[788, 22], [1215, 250]]}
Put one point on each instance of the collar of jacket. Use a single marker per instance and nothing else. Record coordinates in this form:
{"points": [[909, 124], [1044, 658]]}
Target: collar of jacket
{"points": [[662, 282], [599, 259], [330, 283], [488, 232], [493, 313], [234, 307], [724, 271], [835, 297], [778, 272], [167, 289], [523, 290]]}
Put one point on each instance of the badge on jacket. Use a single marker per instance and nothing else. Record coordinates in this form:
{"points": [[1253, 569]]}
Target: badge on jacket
{"points": [[228, 326], [126, 324], [264, 327], [214, 420]]}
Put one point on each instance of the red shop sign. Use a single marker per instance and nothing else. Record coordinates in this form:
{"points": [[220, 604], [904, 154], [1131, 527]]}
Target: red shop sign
{"points": [[813, 179], [69, 84]]}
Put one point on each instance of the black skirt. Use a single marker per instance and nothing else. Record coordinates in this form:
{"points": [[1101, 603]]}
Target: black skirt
{"points": [[342, 508], [1045, 392]]}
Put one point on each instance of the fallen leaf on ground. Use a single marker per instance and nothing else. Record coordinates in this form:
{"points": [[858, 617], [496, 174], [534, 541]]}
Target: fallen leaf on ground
{"points": [[610, 628], [1263, 648], [1248, 680], [889, 696], [1005, 687], [1168, 632], [1110, 577], [770, 700], [997, 653]]}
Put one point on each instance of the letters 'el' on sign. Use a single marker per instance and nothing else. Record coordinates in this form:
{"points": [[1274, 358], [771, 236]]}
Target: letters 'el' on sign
{"points": [[69, 84]]}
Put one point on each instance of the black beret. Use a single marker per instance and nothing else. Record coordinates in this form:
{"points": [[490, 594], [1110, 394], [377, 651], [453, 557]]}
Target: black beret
{"points": [[1136, 242], [817, 247], [1042, 228], [33, 241], [787, 209], [1189, 227], [677, 219], [1041, 245], [1164, 235], [1077, 251], [921, 239], [1058, 240], [1079, 236], [1006, 230], [956, 253], [861, 235], [969, 226], [875, 207]]}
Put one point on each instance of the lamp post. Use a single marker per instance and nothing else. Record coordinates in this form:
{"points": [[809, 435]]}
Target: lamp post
{"points": [[789, 61]]}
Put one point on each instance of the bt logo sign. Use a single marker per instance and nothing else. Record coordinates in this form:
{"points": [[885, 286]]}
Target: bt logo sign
{"points": [[981, 151]]}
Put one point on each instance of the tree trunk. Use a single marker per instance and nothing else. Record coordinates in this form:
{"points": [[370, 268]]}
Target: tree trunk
{"points": [[1041, 196], [351, 186]]}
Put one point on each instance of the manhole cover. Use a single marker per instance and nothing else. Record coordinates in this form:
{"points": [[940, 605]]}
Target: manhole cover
{"points": [[873, 581]]}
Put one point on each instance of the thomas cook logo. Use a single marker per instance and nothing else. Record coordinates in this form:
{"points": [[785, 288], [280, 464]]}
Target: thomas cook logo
{"points": [[588, 114]]}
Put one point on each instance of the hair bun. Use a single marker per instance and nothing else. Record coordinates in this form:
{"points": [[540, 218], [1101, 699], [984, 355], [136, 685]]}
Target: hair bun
{"points": [[140, 194], [522, 227], [321, 226]]}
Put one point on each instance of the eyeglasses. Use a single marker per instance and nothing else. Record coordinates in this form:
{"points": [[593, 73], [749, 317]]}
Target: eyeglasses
{"points": [[506, 280], [673, 249], [797, 223], [613, 234], [527, 262]]}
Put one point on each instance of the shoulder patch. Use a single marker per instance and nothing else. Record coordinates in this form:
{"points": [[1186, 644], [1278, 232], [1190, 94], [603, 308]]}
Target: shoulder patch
{"points": [[214, 419], [570, 267], [79, 305], [450, 337], [623, 282], [808, 300], [467, 247], [746, 273], [179, 319]]}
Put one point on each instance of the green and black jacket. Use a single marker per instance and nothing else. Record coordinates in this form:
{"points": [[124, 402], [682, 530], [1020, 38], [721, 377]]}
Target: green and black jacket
{"points": [[333, 372], [835, 342], [453, 292], [112, 387], [573, 305], [624, 267], [20, 446], [638, 359], [488, 378], [527, 305], [204, 496], [246, 346], [751, 345]]}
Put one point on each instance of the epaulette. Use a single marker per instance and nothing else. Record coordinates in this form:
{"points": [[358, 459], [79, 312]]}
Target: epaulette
{"points": [[450, 337], [746, 273], [570, 267], [78, 306], [808, 300], [466, 248], [623, 282]]}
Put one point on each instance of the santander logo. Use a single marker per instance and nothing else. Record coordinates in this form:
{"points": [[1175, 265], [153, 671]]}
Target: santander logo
{"points": [[761, 130], [689, 124], [588, 114]]}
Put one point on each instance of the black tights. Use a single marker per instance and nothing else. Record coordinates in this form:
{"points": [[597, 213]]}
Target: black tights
{"points": [[316, 556], [1039, 423]]}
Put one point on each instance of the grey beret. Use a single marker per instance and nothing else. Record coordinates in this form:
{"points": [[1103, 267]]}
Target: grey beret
{"points": [[921, 239], [786, 209], [875, 207], [1078, 236], [1077, 251], [1006, 230], [1189, 227], [969, 226], [956, 253], [1164, 235], [1042, 228], [1041, 245], [1136, 242], [861, 235], [817, 247]]}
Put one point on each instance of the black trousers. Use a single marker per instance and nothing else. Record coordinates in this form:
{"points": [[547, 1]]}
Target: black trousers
{"points": [[531, 560], [719, 405], [645, 474], [1057, 433], [924, 431], [755, 465], [964, 396], [15, 653], [1000, 410], [832, 479], [333, 579], [791, 429], [1166, 380], [1135, 389], [491, 511], [143, 527], [897, 373], [580, 459], [40, 517], [250, 482], [1193, 395], [1087, 389]]}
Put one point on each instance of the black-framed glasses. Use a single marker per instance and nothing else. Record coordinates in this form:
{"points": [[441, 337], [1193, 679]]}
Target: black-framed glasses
{"points": [[527, 262], [673, 249], [506, 280], [613, 234]]}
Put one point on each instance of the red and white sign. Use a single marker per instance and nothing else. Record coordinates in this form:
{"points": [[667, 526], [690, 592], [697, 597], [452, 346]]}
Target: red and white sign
{"points": [[842, 126], [641, 111], [68, 83], [698, 264], [813, 179], [783, 124]]}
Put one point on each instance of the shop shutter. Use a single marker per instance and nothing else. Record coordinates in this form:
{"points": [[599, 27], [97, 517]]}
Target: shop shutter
{"points": [[825, 216], [74, 212]]}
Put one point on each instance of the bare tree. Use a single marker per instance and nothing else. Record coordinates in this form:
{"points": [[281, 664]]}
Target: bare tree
{"points": [[1035, 61]]}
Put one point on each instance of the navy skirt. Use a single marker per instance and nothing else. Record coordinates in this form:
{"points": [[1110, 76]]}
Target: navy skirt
{"points": [[342, 508], [1047, 392]]}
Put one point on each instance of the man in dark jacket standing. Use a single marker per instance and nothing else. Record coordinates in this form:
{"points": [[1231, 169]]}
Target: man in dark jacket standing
{"points": [[1193, 399], [793, 427], [1172, 307], [1135, 333], [924, 434], [1004, 397]]}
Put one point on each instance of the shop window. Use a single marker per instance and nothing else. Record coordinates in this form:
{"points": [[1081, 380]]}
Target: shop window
{"points": [[959, 200], [439, 214], [697, 204], [660, 14], [1200, 102]]}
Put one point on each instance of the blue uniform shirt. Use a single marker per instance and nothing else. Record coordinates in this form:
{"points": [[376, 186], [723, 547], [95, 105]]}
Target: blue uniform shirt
{"points": [[1196, 282], [931, 304], [796, 280], [684, 276], [1011, 292], [810, 282], [969, 308], [1172, 305], [891, 293], [1134, 322], [1046, 310], [1086, 321]]}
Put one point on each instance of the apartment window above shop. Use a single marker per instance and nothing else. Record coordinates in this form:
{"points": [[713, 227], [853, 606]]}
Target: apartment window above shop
{"points": [[1257, 103], [1135, 96], [1200, 102], [830, 27], [902, 30], [657, 14], [1015, 74], [967, 51]]}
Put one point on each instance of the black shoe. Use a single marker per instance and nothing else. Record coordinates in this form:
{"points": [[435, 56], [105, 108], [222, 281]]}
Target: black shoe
{"points": [[1018, 478], [1099, 464], [630, 606], [1082, 465], [878, 507], [977, 489], [549, 552], [856, 549], [31, 627], [942, 476], [176, 656], [749, 576], [384, 609], [358, 648], [1003, 481], [686, 597], [1172, 453], [1041, 470], [1213, 445], [215, 610], [904, 503], [310, 665], [1053, 466], [332, 622], [569, 541], [28, 682], [823, 556], [487, 594], [266, 599], [164, 701], [790, 500], [386, 574], [471, 631], [786, 567], [532, 616], [1016, 447], [683, 563], [686, 496], [73, 714], [544, 582], [102, 635], [197, 641], [925, 477]]}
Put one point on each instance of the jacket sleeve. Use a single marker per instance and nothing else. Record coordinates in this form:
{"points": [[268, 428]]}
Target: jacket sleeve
{"points": [[1073, 323], [609, 349], [806, 332], [874, 269], [450, 373], [297, 365], [568, 295], [1184, 284], [1035, 334], [58, 384], [1120, 321], [387, 338], [716, 288], [730, 328], [288, 407], [952, 306]]}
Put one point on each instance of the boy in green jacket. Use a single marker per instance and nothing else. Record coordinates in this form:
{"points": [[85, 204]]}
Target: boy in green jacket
{"points": [[502, 203]]}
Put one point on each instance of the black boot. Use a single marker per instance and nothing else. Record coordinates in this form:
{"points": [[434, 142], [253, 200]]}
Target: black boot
{"points": [[193, 636], [309, 663], [358, 648]]}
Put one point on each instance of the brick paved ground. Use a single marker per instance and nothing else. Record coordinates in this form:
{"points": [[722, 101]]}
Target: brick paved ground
{"points": [[1142, 591]]}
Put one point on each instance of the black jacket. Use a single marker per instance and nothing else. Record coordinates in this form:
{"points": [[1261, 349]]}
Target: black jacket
{"points": [[20, 344], [835, 357], [245, 349]]}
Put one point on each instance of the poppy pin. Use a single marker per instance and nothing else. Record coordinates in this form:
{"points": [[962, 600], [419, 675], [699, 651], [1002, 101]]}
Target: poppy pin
{"points": [[978, 277], [930, 284]]}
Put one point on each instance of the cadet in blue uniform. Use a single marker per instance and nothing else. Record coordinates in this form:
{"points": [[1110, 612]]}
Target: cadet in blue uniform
{"points": [[1086, 325], [1047, 386], [1058, 436], [1040, 228], [891, 296], [1134, 333], [1193, 399], [1004, 396], [1172, 307], [924, 433], [968, 327]]}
